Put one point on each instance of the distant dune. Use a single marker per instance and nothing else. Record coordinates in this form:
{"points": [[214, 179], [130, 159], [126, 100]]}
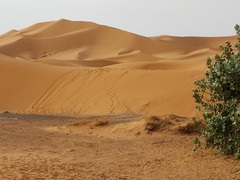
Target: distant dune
{"points": [[66, 67]]}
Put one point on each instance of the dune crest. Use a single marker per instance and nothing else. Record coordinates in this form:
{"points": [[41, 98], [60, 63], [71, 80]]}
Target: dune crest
{"points": [[67, 67]]}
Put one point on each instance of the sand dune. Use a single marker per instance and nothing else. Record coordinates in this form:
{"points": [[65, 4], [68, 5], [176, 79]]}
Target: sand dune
{"points": [[66, 67]]}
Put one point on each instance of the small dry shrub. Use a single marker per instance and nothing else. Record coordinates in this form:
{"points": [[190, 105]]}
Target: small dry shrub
{"points": [[153, 123], [191, 127], [79, 123], [101, 122], [90, 122]]}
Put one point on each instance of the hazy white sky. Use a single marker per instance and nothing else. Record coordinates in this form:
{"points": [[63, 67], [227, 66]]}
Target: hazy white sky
{"points": [[144, 17]]}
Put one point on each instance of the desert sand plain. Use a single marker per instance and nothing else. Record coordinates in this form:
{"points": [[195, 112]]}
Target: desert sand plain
{"points": [[75, 98]]}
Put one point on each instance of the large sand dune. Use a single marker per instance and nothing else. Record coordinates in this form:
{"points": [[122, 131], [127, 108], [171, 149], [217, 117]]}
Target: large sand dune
{"points": [[65, 67]]}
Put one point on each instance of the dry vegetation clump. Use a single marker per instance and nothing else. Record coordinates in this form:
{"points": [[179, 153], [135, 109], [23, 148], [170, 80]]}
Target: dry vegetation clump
{"points": [[174, 118], [79, 123], [91, 122], [191, 127], [154, 123], [101, 122]]}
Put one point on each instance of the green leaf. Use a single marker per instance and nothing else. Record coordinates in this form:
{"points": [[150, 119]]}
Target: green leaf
{"points": [[218, 97]]}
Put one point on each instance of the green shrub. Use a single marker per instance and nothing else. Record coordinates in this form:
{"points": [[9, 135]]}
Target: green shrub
{"points": [[218, 97]]}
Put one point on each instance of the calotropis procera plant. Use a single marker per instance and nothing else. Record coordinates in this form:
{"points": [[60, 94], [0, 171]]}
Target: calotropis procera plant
{"points": [[217, 96]]}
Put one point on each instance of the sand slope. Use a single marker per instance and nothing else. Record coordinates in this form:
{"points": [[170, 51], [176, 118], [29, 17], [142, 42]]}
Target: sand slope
{"points": [[66, 67], [57, 147]]}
